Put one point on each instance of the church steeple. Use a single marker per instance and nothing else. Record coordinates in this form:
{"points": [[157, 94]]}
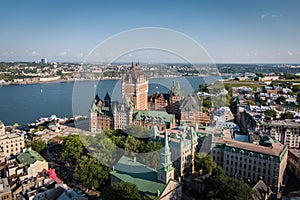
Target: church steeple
{"points": [[165, 170]]}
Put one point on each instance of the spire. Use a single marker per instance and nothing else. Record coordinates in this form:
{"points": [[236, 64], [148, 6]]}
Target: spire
{"points": [[165, 170]]}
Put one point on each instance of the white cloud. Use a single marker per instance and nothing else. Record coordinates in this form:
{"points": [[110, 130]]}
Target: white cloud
{"points": [[290, 53], [263, 16], [62, 53], [34, 53], [276, 15]]}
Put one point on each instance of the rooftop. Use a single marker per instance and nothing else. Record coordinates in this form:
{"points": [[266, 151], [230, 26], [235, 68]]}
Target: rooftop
{"points": [[29, 157], [143, 177], [274, 150]]}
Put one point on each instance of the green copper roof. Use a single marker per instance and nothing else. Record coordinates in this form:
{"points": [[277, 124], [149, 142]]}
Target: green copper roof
{"points": [[29, 157], [149, 115], [267, 141], [176, 90], [144, 178]]}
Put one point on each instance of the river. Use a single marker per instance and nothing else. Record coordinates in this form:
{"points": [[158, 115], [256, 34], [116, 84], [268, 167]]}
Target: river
{"points": [[24, 104]]}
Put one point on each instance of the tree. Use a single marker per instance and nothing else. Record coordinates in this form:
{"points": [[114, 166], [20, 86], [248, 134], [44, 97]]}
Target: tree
{"points": [[91, 172], [204, 162], [72, 148], [260, 74], [203, 88], [122, 191], [137, 131], [227, 188], [207, 102], [287, 115], [39, 145], [280, 100], [271, 113]]}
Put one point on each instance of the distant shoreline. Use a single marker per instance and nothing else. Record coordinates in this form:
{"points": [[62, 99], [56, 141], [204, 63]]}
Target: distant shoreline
{"points": [[103, 79]]}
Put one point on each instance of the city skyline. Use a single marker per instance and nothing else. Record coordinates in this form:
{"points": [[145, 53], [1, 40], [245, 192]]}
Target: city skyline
{"points": [[231, 31]]}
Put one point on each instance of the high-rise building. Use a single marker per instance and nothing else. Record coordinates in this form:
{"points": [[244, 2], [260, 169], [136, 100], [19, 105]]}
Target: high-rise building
{"points": [[44, 60], [135, 86], [266, 161]]}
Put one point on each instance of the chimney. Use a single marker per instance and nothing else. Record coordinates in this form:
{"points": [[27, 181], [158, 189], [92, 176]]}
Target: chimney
{"points": [[134, 159]]}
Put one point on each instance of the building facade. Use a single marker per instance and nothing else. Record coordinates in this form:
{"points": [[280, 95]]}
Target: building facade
{"points": [[11, 143], [251, 162], [156, 184], [294, 162], [285, 131], [183, 142], [135, 86]]}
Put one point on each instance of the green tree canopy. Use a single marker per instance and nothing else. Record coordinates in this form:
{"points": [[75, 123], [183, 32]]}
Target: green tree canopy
{"points": [[72, 148], [204, 162], [121, 191], [271, 113], [287, 115], [91, 172], [39, 145]]}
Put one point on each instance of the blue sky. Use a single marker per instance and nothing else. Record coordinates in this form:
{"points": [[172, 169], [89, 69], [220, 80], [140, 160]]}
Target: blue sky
{"points": [[256, 31]]}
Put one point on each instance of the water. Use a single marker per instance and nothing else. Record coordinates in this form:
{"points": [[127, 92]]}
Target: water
{"points": [[24, 104]]}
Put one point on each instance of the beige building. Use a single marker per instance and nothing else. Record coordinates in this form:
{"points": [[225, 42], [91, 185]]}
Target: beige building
{"points": [[5, 191], [251, 162], [183, 142], [285, 131], [28, 164], [135, 86], [294, 161], [11, 143]]}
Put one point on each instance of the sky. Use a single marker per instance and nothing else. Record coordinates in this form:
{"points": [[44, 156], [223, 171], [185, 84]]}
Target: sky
{"points": [[231, 31]]}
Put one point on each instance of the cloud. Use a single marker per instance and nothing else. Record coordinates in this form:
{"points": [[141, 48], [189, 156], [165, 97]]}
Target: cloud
{"points": [[290, 53], [276, 15], [263, 16], [62, 53], [34, 53]]}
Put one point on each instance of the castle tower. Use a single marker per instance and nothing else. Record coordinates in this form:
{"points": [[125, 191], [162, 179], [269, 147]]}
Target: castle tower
{"points": [[135, 86], [165, 170], [107, 100]]}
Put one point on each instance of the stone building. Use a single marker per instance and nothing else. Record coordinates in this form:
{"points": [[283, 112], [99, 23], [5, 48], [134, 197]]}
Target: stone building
{"points": [[251, 162], [135, 86], [5, 191], [26, 165], [191, 111], [100, 115], [122, 113], [294, 162], [285, 131], [176, 96], [11, 143], [183, 142], [156, 184], [150, 118], [159, 101]]}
